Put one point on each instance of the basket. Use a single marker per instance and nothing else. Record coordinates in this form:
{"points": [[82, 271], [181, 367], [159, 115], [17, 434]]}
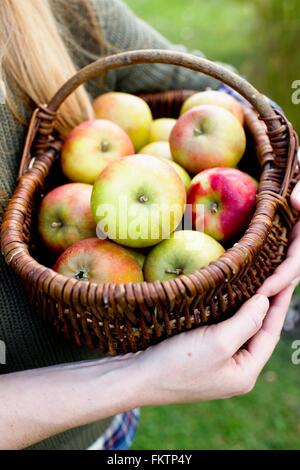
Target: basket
{"points": [[119, 318]]}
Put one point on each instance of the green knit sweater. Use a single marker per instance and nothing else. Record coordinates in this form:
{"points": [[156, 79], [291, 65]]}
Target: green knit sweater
{"points": [[29, 341]]}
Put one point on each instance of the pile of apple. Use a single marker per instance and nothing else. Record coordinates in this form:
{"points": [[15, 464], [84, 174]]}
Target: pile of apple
{"points": [[149, 199]]}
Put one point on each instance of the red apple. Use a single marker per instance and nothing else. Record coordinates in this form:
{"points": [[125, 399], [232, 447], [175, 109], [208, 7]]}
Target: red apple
{"points": [[99, 261], [207, 137], [65, 216], [90, 147], [226, 200], [216, 98], [128, 111]]}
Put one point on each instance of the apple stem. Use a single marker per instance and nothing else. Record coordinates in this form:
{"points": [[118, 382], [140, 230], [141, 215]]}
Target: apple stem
{"points": [[214, 208], [56, 224], [176, 271], [104, 146], [82, 275], [143, 198], [198, 131]]}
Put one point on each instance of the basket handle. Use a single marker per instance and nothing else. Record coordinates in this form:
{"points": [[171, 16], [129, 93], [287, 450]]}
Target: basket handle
{"points": [[276, 124], [151, 56]]}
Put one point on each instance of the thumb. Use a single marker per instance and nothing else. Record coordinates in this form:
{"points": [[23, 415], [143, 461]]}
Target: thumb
{"points": [[237, 330]]}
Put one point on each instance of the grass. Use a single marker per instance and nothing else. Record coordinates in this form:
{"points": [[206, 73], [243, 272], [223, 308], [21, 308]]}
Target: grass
{"points": [[267, 418], [257, 37]]}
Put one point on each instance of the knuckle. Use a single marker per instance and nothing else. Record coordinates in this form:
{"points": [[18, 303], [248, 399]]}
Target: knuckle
{"points": [[256, 320], [246, 385], [222, 348]]}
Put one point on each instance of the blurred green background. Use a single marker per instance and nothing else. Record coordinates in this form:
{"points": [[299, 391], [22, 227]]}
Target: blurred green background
{"points": [[258, 37]]}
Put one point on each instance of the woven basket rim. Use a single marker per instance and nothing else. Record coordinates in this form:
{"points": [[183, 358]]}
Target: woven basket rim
{"points": [[278, 150], [242, 249]]}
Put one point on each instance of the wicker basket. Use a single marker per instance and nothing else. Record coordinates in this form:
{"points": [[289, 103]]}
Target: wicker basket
{"points": [[117, 318]]}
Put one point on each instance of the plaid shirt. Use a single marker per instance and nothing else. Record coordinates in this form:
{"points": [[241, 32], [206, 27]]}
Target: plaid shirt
{"points": [[230, 91], [120, 434]]}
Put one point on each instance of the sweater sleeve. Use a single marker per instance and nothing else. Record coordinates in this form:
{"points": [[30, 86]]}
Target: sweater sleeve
{"points": [[125, 31], [11, 141]]}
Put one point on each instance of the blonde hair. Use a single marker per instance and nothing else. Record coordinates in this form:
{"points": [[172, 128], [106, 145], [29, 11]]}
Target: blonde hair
{"points": [[34, 55]]}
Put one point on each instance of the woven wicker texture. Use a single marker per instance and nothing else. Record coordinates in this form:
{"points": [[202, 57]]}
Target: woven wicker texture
{"points": [[117, 318]]}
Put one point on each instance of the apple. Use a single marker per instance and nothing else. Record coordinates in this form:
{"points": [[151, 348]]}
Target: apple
{"points": [[138, 256], [206, 137], [186, 179], [162, 150], [159, 149], [227, 196], [138, 200], [98, 261], [160, 129], [90, 147], [184, 253], [65, 216], [216, 98], [128, 111]]}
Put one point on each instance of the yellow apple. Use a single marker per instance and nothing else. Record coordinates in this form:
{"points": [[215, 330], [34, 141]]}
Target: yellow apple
{"points": [[128, 111], [158, 149], [161, 129], [90, 147]]}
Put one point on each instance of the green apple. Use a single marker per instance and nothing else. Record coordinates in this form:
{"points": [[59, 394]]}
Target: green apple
{"points": [[216, 98], [99, 261], [186, 179], [159, 149], [90, 147], [160, 129], [184, 253], [128, 111], [65, 216], [138, 201]]}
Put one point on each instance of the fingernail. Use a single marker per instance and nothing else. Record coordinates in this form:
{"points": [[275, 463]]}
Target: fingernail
{"points": [[261, 301]]}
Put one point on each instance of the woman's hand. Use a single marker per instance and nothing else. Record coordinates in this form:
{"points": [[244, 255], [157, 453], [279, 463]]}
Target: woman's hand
{"points": [[224, 360], [217, 361], [207, 363], [211, 362], [289, 270]]}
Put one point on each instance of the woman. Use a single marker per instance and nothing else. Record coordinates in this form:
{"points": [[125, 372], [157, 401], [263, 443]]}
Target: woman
{"points": [[47, 405]]}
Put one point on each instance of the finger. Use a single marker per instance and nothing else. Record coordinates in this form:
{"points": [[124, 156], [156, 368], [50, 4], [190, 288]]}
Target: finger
{"points": [[285, 275], [295, 197], [237, 330], [263, 343]]}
